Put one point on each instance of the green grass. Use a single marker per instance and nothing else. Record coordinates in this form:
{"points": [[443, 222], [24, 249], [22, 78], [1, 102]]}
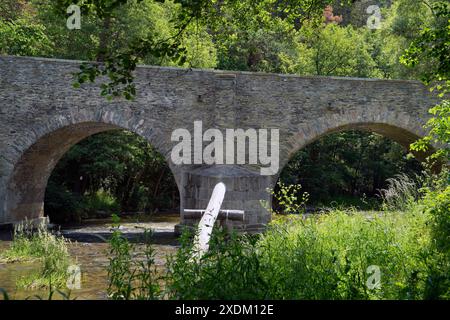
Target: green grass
{"points": [[327, 257], [39, 244], [323, 257], [331, 255]]}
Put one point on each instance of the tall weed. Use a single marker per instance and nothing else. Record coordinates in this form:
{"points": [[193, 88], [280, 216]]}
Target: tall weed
{"points": [[37, 243]]}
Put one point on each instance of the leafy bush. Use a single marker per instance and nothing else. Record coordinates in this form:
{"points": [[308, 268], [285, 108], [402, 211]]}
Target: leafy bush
{"points": [[288, 199], [100, 201], [62, 205], [327, 257], [22, 37], [324, 257], [437, 204], [231, 269], [439, 132], [131, 277]]}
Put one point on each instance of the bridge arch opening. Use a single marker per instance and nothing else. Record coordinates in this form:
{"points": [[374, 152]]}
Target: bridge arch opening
{"points": [[348, 165], [55, 166]]}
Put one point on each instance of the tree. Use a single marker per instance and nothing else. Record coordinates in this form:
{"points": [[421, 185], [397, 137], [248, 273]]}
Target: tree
{"points": [[433, 47], [120, 165], [118, 65], [329, 51], [347, 165], [20, 32]]}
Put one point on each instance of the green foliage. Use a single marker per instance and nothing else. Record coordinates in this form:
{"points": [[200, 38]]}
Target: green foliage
{"points": [[433, 46], [248, 34], [100, 201], [289, 198], [21, 33], [61, 204], [406, 18], [263, 35], [327, 257], [330, 50], [232, 25], [438, 205], [347, 164], [401, 22], [119, 269], [118, 60], [131, 277], [68, 44], [229, 270], [51, 251], [439, 132], [22, 37], [324, 257], [12, 9], [110, 171]]}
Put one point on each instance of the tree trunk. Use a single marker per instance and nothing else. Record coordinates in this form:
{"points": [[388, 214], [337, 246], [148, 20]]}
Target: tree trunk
{"points": [[103, 41]]}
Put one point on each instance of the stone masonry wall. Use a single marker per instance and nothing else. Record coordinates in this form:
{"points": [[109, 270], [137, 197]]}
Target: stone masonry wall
{"points": [[42, 116]]}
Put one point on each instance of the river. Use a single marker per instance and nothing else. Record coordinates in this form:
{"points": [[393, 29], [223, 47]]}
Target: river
{"points": [[89, 251]]}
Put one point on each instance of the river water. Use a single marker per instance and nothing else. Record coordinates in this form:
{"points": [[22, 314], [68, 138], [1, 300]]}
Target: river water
{"points": [[89, 251]]}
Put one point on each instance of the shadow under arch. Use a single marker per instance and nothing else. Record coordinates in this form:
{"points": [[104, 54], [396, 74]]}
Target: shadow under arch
{"points": [[398, 127], [27, 185]]}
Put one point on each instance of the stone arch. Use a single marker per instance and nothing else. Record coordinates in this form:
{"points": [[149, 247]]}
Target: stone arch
{"points": [[400, 127], [25, 190]]}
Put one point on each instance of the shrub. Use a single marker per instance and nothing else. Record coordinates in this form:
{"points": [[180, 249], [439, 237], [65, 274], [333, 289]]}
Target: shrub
{"points": [[288, 199], [131, 277], [324, 256], [62, 205], [436, 203], [327, 257], [100, 201], [229, 270]]}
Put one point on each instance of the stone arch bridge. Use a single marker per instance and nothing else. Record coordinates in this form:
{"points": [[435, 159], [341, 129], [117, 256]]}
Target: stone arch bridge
{"points": [[42, 116]]}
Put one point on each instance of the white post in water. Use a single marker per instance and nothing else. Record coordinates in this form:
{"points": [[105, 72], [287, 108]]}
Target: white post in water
{"points": [[206, 224]]}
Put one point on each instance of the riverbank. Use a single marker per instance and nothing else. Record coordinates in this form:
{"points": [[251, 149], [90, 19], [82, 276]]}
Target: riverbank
{"points": [[89, 250]]}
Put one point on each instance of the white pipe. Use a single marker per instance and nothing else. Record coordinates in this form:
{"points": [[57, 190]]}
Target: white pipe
{"points": [[206, 224]]}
